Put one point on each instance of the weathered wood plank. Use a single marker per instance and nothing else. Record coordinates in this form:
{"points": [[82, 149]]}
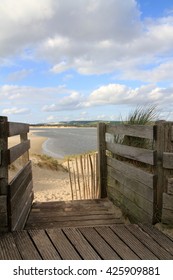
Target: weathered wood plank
{"points": [[80, 223], [18, 150], [102, 171], [135, 198], [3, 204], [149, 242], [163, 240], [167, 201], [17, 128], [134, 243], [168, 160], [4, 159], [20, 192], [137, 154], [136, 186], [134, 212], [117, 244], [25, 246], [19, 178], [170, 186], [19, 214], [8, 247], [167, 216], [99, 244], [3, 222], [142, 131], [76, 205], [63, 218], [44, 245], [62, 244], [81, 244], [24, 215], [136, 173]]}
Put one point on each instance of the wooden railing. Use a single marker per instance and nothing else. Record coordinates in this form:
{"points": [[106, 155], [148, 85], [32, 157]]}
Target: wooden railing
{"points": [[16, 196], [135, 177]]}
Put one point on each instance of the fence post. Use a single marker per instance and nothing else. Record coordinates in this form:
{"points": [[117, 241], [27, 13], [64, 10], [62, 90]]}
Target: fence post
{"points": [[3, 173], [102, 166], [163, 144], [4, 159]]}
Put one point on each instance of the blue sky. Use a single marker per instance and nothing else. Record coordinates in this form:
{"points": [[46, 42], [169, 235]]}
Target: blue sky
{"points": [[64, 60]]}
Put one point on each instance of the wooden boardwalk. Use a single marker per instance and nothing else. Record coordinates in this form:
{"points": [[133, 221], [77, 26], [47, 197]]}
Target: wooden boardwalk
{"points": [[76, 213], [115, 242], [89, 229]]}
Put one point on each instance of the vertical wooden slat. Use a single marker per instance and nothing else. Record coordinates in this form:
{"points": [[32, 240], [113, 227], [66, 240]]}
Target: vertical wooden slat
{"points": [[4, 158], [25, 156], [3, 172], [101, 130], [163, 144]]}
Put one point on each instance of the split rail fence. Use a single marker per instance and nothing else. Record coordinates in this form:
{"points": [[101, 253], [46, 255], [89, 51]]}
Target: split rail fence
{"points": [[16, 196], [136, 178]]}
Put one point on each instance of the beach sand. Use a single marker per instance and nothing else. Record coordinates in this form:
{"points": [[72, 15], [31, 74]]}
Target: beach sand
{"points": [[49, 185]]}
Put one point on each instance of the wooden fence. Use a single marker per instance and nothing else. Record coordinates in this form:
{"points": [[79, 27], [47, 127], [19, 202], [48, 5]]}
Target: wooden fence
{"points": [[16, 196], [83, 175], [136, 177]]}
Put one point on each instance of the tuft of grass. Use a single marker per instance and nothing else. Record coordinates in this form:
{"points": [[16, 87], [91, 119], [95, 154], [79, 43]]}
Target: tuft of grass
{"points": [[142, 115], [45, 161]]}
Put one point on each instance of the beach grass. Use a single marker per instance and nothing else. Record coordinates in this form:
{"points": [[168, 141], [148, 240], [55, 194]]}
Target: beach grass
{"points": [[44, 161]]}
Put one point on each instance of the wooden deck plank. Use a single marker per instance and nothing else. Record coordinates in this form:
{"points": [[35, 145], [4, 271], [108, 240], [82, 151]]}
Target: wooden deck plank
{"points": [[163, 240], [25, 246], [8, 248], [99, 244], [116, 243], [73, 214], [80, 223], [128, 238], [81, 244], [62, 244], [55, 217], [44, 245], [149, 242]]}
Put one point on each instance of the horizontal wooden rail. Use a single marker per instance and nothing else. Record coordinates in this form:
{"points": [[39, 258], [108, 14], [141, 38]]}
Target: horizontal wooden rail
{"points": [[17, 128], [168, 160], [19, 180], [132, 130], [139, 154], [133, 172], [18, 150]]}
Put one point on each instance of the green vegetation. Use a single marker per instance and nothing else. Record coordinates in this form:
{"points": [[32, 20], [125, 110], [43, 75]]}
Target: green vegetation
{"points": [[44, 161], [140, 116]]}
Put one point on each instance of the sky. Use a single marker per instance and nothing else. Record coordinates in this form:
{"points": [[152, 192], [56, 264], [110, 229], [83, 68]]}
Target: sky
{"points": [[63, 60]]}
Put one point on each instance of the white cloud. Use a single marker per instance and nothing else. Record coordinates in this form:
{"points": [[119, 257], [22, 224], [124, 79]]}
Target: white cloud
{"points": [[114, 94], [16, 111], [93, 38], [18, 75], [71, 102]]}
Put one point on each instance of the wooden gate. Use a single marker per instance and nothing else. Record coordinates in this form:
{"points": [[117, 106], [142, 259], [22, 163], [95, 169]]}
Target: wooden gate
{"points": [[16, 195], [136, 177]]}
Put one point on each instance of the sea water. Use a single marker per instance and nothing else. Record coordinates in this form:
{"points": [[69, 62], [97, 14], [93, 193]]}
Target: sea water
{"points": [[62, 142]]}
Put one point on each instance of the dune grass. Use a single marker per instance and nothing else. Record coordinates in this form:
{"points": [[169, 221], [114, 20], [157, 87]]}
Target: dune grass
{"points": [[44, 161]]}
